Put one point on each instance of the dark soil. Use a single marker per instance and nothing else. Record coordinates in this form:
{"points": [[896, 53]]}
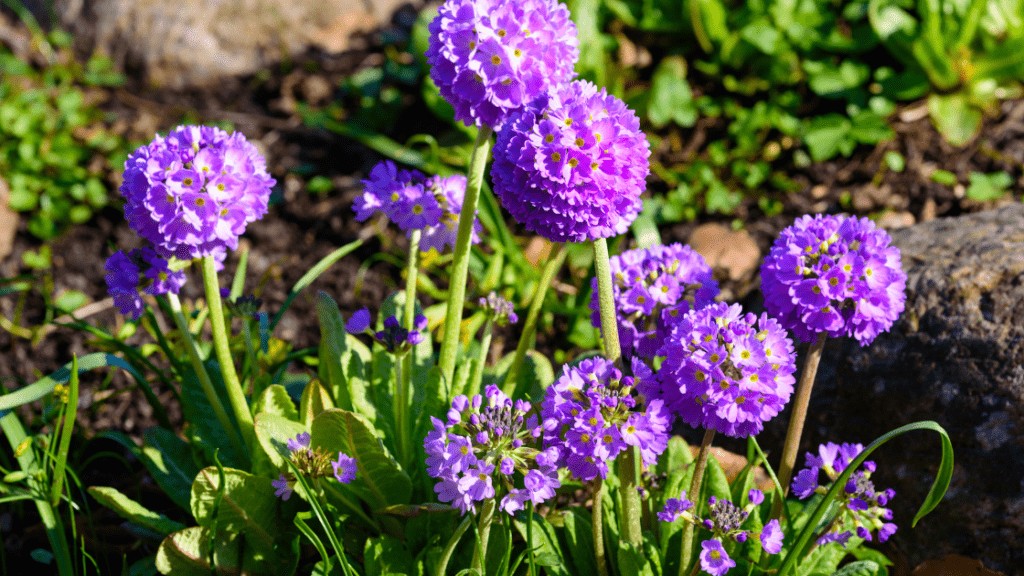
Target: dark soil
{"points": [[301, 228]]}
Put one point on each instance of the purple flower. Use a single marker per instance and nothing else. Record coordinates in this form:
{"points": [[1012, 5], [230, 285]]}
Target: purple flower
{"points": [[396, 339], [193, 192], [414, 202], [141, 270], [344, 468], [300, 442], [486, 449], [651, 287], [862, 507], [771, 537], [590, 416], [282, 487], [572, 164], [359, 322], [713, 558], [834, 275], [490, 57], [501, 310], [725, 370], [674, 508]]}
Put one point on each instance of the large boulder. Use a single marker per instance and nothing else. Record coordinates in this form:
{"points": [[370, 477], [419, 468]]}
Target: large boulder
{"points": [[197, 42], [956, 356]]}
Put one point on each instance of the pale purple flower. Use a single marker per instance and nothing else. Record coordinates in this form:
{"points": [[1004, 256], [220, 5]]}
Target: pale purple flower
{"points": [[674, 508], [771, 537], [282, 487], [491, 57], [344, 468], [359, 322], [572, 164], [834, 275], [713, 558]]}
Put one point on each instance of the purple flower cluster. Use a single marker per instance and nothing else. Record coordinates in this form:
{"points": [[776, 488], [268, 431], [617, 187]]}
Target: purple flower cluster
{"points": [[314, 463], [589, 415], [414, 202], [652, 287], [396, 339], [193, 192], [863, 508], [141, 270], [725, 370], [572, 164], [500, 310], [486, 445], [490, 57], [725, 522], [836, 275]]}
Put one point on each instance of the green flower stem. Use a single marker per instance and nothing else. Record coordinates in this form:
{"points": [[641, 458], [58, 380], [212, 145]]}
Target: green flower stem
{"points": [[404, 382], [609, 322], [547, 274], [449, 549], [200, 369], [629, 521], [693, 494], [477, 376], [460, 262], [484, 528], [236, 396], [597, 526], [796, 421]]}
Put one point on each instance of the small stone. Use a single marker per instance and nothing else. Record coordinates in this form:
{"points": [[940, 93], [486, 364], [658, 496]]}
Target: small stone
{"points": [[731, 250]]}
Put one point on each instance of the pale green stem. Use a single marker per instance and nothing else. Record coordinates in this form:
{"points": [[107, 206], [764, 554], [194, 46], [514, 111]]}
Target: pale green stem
{"points": [[477, 377], [547, 274], [236, 396], [629, 519], [449, 549], [404, 383], [609, 322], [460, 260], [200, 369], [484, 531], [597, 527], [796, 421], [686, 552]]}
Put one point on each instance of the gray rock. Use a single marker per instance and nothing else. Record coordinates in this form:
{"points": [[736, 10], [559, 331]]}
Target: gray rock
{"points": [[956, 357], [196, 42]]}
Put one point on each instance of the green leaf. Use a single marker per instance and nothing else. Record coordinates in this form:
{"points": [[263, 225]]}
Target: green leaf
{"points": [[955, 117], [545, 543], [273, 432], [822, 561], [670, 98], [580, 540], [315, 399], [333, 350], [188, 553], [204, 428], [134, 512], [275, 400], [380, 481], [633, 562], [860, 568], [45, 385], [826, 136], [989, 187], [169, 460], [535, 375], [715, 481], [387, 555]]}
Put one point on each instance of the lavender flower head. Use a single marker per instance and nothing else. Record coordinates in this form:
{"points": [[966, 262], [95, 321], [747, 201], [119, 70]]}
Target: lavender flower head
{"points": [[571, 165], [491, 57], [862, 508], [591, 415], [314, 463], [486, 448], [651, 287], [129, 274], [834, 275], [725, 370], [193, 192], [500, 310], [414, 202], [725, 522]]}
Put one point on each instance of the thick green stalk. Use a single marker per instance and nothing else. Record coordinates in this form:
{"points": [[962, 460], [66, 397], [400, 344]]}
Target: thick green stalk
{"points": [[477, 376], [460, 261], [796, 420], [547, 274], [236, 396], [404, 382], [609, 322], [629, 519], [484, 532], [597, 526], [686, 553], [200, 369], [449, 549]]}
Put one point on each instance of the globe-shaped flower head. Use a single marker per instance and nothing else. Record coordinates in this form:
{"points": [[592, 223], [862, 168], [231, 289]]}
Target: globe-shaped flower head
{"points": [[193, 192], [652, 286], [834, 275], [591, 415], [725, 370], [571, 165], [490, 57]]}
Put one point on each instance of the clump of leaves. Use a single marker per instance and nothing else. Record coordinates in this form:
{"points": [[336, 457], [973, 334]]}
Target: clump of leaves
{"points": [[55, 151]]}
